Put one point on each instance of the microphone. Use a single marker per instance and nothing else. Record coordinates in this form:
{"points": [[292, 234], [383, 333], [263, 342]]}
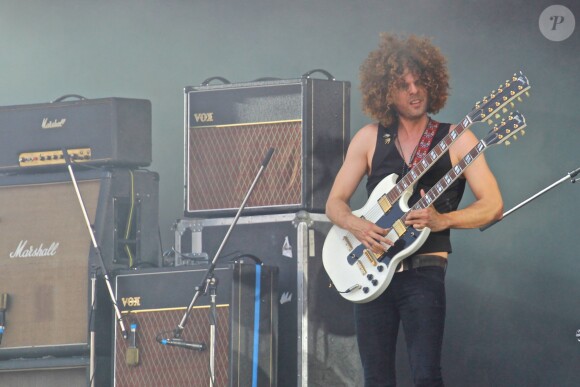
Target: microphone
{"points": [[268, 157], [183, 344], [132, 355], [574, 173]]}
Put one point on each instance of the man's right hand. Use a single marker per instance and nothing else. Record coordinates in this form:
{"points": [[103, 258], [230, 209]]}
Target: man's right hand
{"points": [[369, 234]]}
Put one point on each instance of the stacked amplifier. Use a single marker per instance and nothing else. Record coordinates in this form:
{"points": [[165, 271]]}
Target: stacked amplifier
{"points": [[56, 310], [229, 128]]}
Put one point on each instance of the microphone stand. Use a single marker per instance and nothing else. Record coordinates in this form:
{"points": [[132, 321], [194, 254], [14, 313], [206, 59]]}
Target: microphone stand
{"points": [[92, 355], [208, 277], [95, 244], [569, 175], [213, 330]]}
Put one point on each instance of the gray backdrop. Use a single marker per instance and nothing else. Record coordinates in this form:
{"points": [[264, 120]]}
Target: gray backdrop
{"points": [[513, 290]]}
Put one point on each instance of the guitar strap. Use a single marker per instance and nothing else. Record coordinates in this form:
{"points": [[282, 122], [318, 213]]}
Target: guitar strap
{"points": [[425, 141]]}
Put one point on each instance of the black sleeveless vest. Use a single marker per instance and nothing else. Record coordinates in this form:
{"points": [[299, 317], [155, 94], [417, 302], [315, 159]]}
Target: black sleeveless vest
{"points": [[387, 160]]}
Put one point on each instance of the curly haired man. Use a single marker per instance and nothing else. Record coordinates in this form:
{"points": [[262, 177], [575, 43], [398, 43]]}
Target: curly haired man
{"points": [[403, 81]]}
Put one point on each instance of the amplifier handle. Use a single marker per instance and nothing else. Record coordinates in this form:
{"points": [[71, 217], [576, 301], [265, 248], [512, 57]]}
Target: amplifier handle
{"points": [[60, 99], [222, 79], [307, 74]]}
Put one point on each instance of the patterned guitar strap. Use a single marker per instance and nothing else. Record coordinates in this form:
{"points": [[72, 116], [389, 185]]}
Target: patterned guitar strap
{"points": [[425, 142]]}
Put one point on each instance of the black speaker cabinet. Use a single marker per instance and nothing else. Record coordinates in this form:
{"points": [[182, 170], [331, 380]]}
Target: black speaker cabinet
{"points": [[46, 254], [229, 129], [154, 302], [316, 344]]}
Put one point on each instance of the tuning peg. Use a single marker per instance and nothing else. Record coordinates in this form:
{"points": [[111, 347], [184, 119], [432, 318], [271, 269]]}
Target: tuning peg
{"points": [[523, 132], [490, 122], [507, 143], [515, 137], [512, 104], [504, 110], [497, 116], [520, 99], [527, 93]]}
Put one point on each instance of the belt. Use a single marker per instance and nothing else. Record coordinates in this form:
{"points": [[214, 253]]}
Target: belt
{"points": [[417, 261]]}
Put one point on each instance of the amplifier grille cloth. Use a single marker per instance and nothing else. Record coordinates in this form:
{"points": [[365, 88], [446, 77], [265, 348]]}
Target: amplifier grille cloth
{"points": [[162, 365], [223, 162], [48, 292]]}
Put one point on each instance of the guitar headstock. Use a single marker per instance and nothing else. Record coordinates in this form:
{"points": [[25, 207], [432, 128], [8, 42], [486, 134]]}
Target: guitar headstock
{"points": [[507, 128], [511, 89]]}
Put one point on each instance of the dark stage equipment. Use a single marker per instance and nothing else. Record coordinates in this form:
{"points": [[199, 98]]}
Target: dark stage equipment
{"points": [[46, 256], [153, 301], [316, 343], [229, 127], [105, 131]]}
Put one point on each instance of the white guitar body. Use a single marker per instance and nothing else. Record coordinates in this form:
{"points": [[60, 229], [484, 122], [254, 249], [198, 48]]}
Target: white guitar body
{"points": [[357, 274]]}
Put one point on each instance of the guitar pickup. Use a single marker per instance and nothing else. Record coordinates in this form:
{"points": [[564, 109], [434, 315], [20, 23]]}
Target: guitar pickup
{"points": [[399, 227], [384, 204]]}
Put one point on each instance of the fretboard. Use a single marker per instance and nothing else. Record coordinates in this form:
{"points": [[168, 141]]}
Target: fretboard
{"points": [[426, 162], [446, 181]]}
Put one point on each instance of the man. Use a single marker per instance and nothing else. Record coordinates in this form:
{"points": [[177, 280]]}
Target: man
{"points": [[403, 81]]}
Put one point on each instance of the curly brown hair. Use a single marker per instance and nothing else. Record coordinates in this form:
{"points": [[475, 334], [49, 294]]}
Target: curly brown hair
{"points": [[382, 72]]}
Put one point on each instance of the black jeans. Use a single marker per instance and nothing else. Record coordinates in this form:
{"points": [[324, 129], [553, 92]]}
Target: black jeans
{"points": [[416, 298]]}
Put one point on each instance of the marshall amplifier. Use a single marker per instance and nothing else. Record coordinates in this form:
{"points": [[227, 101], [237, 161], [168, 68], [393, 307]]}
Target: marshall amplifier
{"points": [[46, 256], [230, 127], [106, 131]]}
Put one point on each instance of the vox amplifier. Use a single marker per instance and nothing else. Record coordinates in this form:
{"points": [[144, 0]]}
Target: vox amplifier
{"points": [[106, 131], [229, 129], [243, 322]]}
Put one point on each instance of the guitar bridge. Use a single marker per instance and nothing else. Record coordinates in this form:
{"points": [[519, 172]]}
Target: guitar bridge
{"points": [[361, 267], [348, 243], [371, 257]]}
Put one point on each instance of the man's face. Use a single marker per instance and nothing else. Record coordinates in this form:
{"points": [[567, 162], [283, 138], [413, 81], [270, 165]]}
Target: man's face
{"points": [[410, 98]]}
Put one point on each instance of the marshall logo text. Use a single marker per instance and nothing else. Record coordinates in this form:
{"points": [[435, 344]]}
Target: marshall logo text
{"points": [[25, 251], [47, 124]]}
